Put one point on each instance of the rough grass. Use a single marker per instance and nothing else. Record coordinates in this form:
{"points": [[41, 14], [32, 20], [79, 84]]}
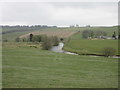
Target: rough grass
{"points": [[29, 67]]}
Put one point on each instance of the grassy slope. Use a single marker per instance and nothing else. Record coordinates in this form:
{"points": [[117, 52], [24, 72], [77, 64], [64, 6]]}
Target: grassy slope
{"points": [[32, 67], [12, 36], [85, 46]]}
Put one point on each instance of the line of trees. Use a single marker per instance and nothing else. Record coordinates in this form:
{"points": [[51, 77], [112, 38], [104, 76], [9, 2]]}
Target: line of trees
{"points": [[92, 34], [18, 28], [46, 41]]}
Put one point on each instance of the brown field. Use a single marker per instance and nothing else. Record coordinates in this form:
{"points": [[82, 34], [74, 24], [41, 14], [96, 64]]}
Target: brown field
{"points": [[58, 33]]}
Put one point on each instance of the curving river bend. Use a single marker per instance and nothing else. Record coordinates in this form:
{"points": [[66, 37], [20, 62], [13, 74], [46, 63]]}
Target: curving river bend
{"points": [[59, 49]]}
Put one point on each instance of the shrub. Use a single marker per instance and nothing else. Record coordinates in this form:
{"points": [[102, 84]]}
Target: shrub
{"points": [[92, 34], [17, 39], [47, 43], [61, 39], [5, 40], [55, 40], [100, 33], [87, 33], [114, 35], [43, 38], [31, 37], [36, 38], [24, 40], [109, 51]]}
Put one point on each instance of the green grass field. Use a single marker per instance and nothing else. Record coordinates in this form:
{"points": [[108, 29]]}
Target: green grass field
{"points": [[26, 65], [90, 46], [29, 67], [87, 46]]}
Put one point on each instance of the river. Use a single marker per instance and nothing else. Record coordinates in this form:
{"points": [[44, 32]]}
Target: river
{"points": [[59, 49]]}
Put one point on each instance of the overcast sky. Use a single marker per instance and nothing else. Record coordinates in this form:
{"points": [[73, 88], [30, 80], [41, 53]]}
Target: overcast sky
{"points": [[59, 13]]}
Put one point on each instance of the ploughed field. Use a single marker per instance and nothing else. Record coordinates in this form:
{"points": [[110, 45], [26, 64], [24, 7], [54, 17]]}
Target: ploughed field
{"points": [[27, 65], [58, 33]]}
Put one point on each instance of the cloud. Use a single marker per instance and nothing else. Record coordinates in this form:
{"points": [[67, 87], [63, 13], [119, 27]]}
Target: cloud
{"points": [[59, 14]]}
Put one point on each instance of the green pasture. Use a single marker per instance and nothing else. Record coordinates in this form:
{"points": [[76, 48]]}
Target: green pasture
{"points": [[87, 46], [25, 66]]}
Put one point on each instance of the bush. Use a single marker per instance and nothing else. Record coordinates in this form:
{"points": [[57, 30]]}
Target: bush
{"points": [[17, 39], [31, 37], [100, 33], [24, 40], [109, 51], [48, 42], [43, 38], [36, 38], [5, 40], [55, 41], [92, 34], [85, 34], [61, 39], [88, 33]]}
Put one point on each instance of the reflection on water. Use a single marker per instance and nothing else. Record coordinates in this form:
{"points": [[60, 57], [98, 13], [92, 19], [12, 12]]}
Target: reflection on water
{"points": [[59, 49]]}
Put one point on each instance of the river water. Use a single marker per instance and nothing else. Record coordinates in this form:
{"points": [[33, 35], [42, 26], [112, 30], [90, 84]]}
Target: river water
{"points": [[59, 49]]}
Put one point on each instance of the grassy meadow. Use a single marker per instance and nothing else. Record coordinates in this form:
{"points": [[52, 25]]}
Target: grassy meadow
{"points": [[29, 67], [87, 46], [26, 65]]}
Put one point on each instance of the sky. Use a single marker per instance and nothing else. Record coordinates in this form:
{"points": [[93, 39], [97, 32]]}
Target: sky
{"points": [[59, 13]]}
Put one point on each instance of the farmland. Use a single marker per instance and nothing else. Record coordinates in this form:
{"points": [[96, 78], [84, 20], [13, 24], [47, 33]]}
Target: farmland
{"points": [[13, 35], [26, 65], [59, 33]]}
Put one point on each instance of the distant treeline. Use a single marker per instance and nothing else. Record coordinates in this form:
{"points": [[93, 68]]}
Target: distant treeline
{"points": [[18, 28]]}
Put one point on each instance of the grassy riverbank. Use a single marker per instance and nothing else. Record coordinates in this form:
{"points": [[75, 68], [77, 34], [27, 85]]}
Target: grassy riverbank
{"points": [[88, 46]]}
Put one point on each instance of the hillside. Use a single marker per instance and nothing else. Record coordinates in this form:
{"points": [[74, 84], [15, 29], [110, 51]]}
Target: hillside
{"points": [[10, 36]]}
